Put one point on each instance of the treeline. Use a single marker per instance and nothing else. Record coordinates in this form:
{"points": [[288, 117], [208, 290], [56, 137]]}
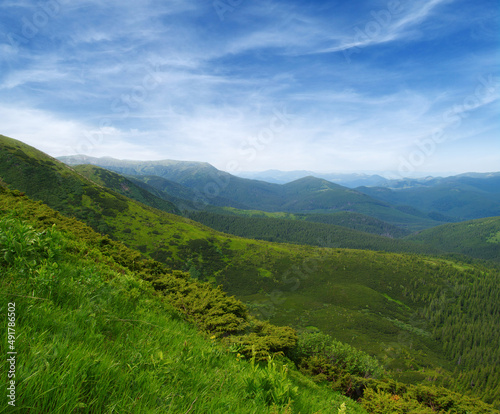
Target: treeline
{"points": [[304, 232]]}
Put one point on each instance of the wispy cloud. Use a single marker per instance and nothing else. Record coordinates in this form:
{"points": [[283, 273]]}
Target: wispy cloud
{"points": [[171, 80]]}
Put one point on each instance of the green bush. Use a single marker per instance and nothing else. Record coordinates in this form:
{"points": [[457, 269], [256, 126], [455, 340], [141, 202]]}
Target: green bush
{"points": [[387, 396], [328, 360], [264, 340]]}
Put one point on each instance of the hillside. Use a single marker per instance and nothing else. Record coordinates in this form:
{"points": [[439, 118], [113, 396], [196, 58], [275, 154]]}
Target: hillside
{"points": [[80, 279], [355, 221], [421, 317], [121, 185], [183, 197], [361, 222], [213, 187], [92, 337], [477, 238], [268, 229]]}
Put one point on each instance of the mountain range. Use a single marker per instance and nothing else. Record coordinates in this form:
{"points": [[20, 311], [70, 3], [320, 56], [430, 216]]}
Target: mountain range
{"points": [[425, 305], [412, 203]]}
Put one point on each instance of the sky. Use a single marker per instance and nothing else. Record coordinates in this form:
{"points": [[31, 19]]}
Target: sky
{"points": [[330, 86]]}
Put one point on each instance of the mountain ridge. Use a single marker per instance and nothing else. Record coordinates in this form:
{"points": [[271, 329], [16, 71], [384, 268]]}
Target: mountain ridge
{"points": [[213, 187]]}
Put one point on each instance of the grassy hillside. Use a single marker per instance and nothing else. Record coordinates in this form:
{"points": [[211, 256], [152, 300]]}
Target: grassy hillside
{"points": [[92, 337], [395, 307], [477, 238], [116, 345]]}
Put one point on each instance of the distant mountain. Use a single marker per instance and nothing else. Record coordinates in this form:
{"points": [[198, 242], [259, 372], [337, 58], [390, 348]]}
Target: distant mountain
{"points": [[347, 180], [208, 186], [462, 197]]}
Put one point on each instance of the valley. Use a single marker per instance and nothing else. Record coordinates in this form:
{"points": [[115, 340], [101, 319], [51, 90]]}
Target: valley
{"points": [[412, 285]]}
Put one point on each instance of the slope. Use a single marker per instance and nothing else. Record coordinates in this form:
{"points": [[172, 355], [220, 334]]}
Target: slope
{"points": [[125, 187], [355, 221], [305, 232], [394, 306], [87, 291], [477, 238], [92, 337]]}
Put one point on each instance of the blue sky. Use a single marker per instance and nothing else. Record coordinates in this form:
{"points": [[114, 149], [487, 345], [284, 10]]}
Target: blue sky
{"points": [[330, 86]]}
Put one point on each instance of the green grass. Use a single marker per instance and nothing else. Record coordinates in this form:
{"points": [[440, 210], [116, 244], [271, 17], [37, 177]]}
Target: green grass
{"points": [[91, 337]]}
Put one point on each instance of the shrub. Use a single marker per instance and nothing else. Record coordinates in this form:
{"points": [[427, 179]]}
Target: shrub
{"points": [[326, 359]]}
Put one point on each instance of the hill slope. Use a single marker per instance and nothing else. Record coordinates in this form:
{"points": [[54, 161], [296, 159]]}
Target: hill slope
{"points": [[414, 313], [92, 285], [355, 221], [306, 232], [477, 238], [126, 187], [93, 337]]}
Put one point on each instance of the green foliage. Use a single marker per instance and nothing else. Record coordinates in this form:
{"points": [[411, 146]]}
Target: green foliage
{"points": [[263, 340], [317, 354], [304, 232], [474, 238], [210, 308], [270, 384], [381, 397], [23, 247], [95, 338]]}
